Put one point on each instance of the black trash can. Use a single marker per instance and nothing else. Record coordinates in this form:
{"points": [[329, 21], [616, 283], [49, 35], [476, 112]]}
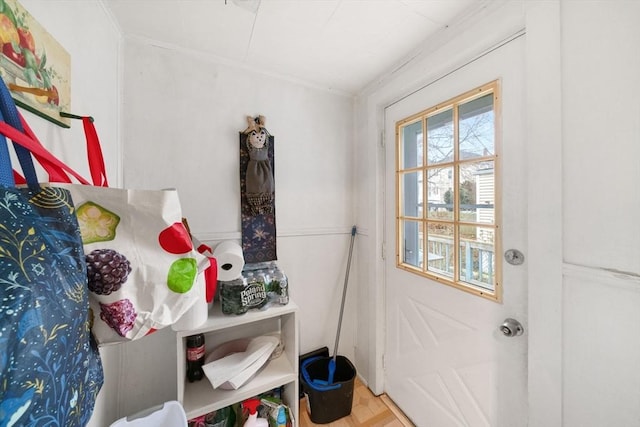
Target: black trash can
{"points": [[328, 402]]}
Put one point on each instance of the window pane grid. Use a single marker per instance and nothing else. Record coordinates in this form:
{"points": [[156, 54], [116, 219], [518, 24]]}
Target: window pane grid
{"points": [[447, 211], [440, 137]]}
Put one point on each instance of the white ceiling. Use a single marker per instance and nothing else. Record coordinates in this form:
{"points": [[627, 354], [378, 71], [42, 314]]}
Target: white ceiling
{"points": [[341, 45]]}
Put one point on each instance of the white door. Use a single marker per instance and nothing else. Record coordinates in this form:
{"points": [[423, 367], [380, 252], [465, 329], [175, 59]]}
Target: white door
{"points": [[446, 360]]}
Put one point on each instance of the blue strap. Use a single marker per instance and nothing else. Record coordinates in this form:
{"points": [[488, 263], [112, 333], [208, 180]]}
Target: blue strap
{"points": [[6, 172], [9, 113]]}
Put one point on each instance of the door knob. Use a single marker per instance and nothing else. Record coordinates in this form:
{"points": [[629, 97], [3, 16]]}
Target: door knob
{"points": [[511, 328]]}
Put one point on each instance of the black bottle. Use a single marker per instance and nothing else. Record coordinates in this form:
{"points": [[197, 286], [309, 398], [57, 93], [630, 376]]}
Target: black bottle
{"points": [[195, 357]]}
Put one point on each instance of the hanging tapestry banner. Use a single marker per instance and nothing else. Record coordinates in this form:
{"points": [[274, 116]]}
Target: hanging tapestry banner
{"points": [[257, 189]]}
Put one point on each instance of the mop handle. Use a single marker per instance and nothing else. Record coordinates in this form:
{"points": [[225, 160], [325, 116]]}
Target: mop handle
{"points": [[344, 292]]}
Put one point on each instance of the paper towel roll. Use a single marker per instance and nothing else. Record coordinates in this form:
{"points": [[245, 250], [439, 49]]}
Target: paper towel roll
{"points": [[230, 261]]}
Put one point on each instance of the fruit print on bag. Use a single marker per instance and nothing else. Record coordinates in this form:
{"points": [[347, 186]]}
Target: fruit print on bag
{"points": [[119, 315], [97, 224], [141, 262], [175, 239], [107, 271], [182, 275]]}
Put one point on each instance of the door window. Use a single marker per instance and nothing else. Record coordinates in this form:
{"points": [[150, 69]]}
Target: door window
{"points": [[447, 175]]}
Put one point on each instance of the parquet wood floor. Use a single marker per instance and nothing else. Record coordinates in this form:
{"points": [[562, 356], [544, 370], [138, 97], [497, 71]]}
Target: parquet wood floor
{"points": [[368, 410]]}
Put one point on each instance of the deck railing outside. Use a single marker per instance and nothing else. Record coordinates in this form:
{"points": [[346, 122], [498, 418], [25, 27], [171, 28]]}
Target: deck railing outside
{"points": [[476, 260]]}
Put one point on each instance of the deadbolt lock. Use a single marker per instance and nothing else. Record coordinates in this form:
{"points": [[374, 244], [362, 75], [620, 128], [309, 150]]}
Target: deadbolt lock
{"points": [[511, 328]]}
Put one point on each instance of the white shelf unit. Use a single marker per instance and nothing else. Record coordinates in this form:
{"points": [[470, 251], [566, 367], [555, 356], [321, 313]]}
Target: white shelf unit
{"points": [[199, 397]]}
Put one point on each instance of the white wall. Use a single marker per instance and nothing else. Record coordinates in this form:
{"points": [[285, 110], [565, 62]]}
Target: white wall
{"points": [[182, 113], [86, 31], [601, 170], [544, 249], [601, 115]]}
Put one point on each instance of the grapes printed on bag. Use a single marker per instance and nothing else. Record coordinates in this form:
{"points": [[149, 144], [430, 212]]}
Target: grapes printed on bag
{"points": [[107, 270], [120, 316]]}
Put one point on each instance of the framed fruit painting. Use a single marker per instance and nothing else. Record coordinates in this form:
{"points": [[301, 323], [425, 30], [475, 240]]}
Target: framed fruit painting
{"points": [[35, 67]]}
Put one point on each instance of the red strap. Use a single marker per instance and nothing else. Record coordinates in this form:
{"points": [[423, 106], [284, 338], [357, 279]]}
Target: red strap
{"points": [[94, 154], [211, 278], [56, 173], [202, 248], [56, 169], [19, 179], [211, 272]]}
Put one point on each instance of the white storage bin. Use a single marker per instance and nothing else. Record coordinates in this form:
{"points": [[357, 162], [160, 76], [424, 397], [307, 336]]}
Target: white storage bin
{"points": [[169, 414]]}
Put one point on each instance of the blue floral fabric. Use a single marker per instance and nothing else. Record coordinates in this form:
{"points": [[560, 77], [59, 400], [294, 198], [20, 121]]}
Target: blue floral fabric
{"points": [[50, 368]]}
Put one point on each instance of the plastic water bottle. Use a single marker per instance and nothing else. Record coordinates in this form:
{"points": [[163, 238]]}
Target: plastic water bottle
{"points": [[281, 278]]}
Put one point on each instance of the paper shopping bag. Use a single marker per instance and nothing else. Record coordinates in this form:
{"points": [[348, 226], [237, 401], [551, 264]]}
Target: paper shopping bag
{"points": [[142, 266]]}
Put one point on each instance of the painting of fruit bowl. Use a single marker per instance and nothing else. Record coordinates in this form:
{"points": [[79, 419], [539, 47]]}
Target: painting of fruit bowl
{"points": [[35, 67]]}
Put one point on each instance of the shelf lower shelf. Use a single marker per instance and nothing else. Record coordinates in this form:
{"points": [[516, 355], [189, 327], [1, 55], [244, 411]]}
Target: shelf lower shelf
{"points": [[200, 397]]}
